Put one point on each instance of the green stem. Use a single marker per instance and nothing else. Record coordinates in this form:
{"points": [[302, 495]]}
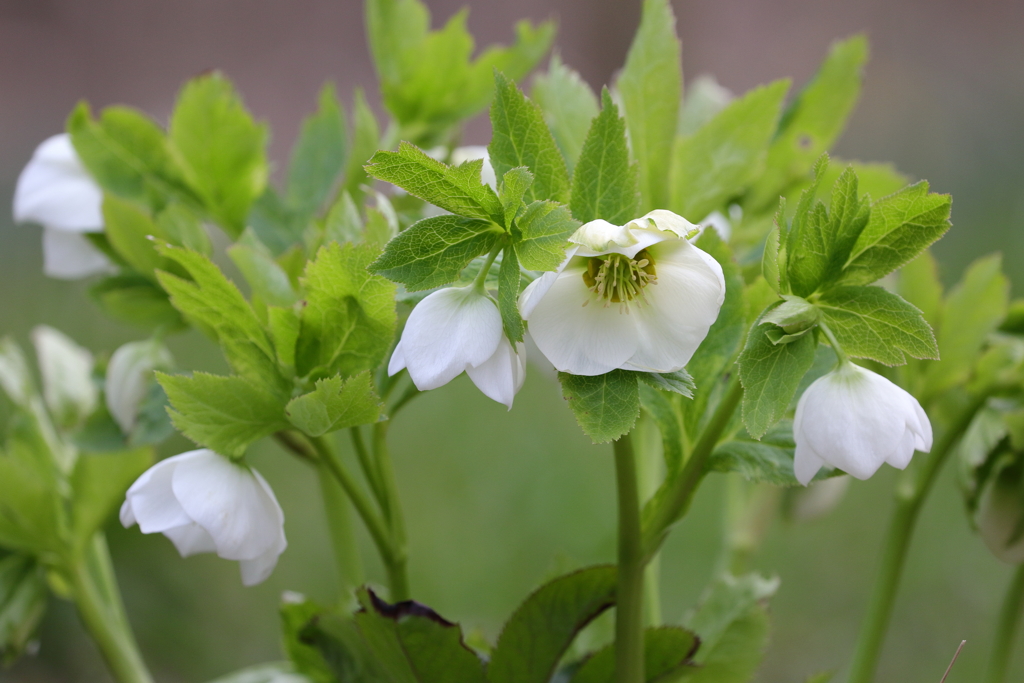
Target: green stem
{"points": [[397, 570], [104, 623], [679, 496], [481, 279], [911, 491], [367, 464], [840, 354], [343, 539], [629, 601], [1009, 619]]}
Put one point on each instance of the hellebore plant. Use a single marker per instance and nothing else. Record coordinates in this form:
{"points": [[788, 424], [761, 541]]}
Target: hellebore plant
{"points": [[686, 349]]}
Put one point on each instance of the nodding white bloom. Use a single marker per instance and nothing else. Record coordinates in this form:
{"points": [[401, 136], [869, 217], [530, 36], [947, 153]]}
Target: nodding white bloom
{"points": [[456, 330], [819, 499], [461, 155], [129, 374], [637, 296], [855, 420], [56, 191], [206, 503]]}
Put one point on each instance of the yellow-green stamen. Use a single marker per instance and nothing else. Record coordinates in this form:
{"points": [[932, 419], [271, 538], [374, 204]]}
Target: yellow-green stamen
{"points": [[615, 278]]}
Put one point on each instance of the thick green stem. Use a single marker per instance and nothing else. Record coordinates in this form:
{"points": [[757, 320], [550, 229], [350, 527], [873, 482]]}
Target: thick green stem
{"points": [[912, 489], [1009, 619], [367, 464], [397, 571], [338, 510], [629, 601]]}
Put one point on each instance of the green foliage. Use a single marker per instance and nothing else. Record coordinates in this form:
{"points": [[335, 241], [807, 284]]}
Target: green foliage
{"points": [[365, 142], [23, 598], [266, 278], [99, 482], [135, 300], [870, 322], [319, 155], [668, 651], [651, 85], [334, 405], [509, 279], [678, 382], [606, 406], [919, 284], [605, 183], [541, 629], [129, 230], [768, 460], [521, 138], [224, 414], [541, 233], [183, 227], [515, 183], [664, 410], [32, 514], [725, 155], [770, 374], [348, 322], [220, 149], [569, 105]]}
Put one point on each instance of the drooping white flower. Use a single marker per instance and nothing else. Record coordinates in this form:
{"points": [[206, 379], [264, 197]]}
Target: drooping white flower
{"points": [[461, 155], [66, 369], [206, 503], [56, 191], [128, 376], [637, 297], [456, 330], [818, 499], [855, 420]]}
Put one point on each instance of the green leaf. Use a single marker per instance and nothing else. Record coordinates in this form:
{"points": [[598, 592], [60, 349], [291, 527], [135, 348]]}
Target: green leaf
{"points": [[29, 500], [541, 629], [342, 223], [770, 257], [668, 650], [605, 183], [23, 598], [365, 142], [221, 149], [813, 120], [665, 412], [703, 100], [414, 644], [266, 278], [651, 85], [432, 252], [135, 300], [297, 615], [391, 26], [521, 138], [224, 414], [275, 222], [769, 460], [606, 406], [543, 234], [725, 602], [569, 105], [725, 155], [99, 482], [770, 375], [509, 279], [334, 405], [919, 284], [183, 227], [514, 186], [129, 230], [349, 319], [870, 322], [678, 382], [284, 325], [319, 155], [902, 225], [457, 190]]}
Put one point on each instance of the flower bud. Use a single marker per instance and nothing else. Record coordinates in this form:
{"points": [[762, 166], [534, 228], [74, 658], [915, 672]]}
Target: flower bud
{"points": [[129, 375]]}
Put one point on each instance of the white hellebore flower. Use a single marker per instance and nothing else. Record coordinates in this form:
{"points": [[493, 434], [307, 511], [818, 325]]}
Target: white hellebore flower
{"points": [[56, 191], [637, 297], [455, 330], [206, 503], [128, 378], [855, 420]]}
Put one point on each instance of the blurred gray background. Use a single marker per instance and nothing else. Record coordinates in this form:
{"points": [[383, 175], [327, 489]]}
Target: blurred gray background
{"points": [[498, 501]]}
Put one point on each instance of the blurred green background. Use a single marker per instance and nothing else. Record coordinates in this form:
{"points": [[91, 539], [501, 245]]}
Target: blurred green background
{"points": [[497, 501]]}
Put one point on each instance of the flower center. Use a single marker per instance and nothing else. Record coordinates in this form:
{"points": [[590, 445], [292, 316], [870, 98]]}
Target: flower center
{"points": [[615, 278]]}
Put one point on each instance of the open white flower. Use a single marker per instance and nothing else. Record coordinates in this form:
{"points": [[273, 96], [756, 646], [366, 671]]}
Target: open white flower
{"points": [[206, 503], [129, 374], [855, 420], [637, 297], [456, 330], [56, 191]]}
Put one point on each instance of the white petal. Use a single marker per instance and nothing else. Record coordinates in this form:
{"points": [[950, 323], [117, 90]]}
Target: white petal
{"points": [[397, 362], [151, 498], [229, 502], [257, 570], [536, 290], [819, 498], [126, 515], [69, 256], [665, 220], [56, 191], [921, 426], [129, 374], [190, 539], [66, 369], [904, 451], [501, 375], [806, 463], [582, 340], [449, 331]]}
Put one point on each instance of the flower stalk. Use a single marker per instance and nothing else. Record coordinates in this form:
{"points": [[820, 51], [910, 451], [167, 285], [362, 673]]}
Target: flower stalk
{"points": [[1006, 629], [629, 605]]}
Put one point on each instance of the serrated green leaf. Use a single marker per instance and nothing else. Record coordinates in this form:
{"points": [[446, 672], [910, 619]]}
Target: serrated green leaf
{"points": [[769, 460], [276, 223], [543, 234], [183, 227], [569, 105], [543, 626], [521, 138], [283, 325], [335, 404], [365, 142], [99, 482], [509, 279], [457, 190], [349, 319], [606, 406], [224, 414], [605, 183], [870, 322], [135, 300], [770, 375], [514, 186], [727, 600], [725, 155], [23, 598], [902, 225], [770, 259], [342, 223], [678, 382], [432, 252], [919, 284], [319, 155], [668, 651], [703, 100], [265, 277], [651, 86], [813, 120], [220, 148], [129, 228], [298, 618]]}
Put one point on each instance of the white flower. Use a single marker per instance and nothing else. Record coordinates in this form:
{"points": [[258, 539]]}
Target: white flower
{"points": [[206, 503], [66, 369], [456, 330], [855, 420], [461, 155], [818, 499], [128, 377], [56, 191], [638, 297]]}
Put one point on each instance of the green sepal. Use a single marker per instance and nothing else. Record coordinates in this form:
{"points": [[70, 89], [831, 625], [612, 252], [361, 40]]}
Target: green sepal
{"points": [[794, 315]]}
